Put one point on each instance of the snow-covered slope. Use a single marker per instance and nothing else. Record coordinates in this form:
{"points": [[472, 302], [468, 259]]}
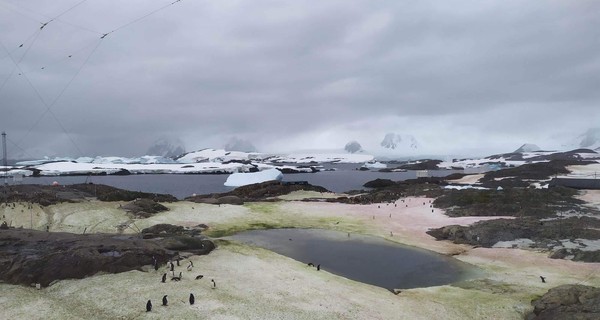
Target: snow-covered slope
{"points": [[321, 158]]}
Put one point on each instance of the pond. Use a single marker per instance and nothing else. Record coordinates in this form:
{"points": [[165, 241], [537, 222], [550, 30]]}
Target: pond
{"points": [[367, 259]]}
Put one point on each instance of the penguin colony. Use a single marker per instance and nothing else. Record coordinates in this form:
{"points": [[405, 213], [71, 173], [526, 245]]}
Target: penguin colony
{"points": [[170, 268]]}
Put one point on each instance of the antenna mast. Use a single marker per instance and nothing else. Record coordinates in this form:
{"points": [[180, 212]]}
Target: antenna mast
{"points": [[4, 159]]}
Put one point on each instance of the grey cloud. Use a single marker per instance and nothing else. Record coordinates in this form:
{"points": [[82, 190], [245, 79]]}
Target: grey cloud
{"points": [[277, 71]]}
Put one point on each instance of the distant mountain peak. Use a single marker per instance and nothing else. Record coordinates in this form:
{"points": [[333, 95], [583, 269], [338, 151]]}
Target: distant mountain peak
{"points": [[590, 139], [353, 147], [527, 147], [237, 144], [166, 147], [394, 140]]}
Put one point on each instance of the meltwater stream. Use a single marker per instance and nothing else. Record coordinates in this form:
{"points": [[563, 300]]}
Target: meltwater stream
{"points": [[362, 258]]}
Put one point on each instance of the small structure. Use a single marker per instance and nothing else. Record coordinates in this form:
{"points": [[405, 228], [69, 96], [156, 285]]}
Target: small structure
{"points": [[593, 184]]}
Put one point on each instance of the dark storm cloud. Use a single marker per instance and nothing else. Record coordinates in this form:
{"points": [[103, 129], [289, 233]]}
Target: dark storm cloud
{"points": [[298, 74]]}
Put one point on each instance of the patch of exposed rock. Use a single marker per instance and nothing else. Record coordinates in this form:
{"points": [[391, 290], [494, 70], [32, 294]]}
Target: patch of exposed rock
{"points": [[144, 208], [386, 190], [255, 192], [46, 195], [576, 302], [544, 234], [30, 256]]}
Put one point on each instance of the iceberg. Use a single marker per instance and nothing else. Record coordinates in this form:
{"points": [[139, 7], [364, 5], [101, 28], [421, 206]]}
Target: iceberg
{"points": [[243, 179], [375, 165]]}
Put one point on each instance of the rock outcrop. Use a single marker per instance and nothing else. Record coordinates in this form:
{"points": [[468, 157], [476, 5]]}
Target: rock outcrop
{"points": [[576, 302], [36, 257], [144, 208]]}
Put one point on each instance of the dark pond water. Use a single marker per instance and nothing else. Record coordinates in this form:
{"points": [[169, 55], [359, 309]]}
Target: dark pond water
{"points": [[361, 258]]}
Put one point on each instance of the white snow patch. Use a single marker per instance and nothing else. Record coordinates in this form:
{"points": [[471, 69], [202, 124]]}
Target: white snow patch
{"points": [[463, 187], [581, 244], [242, 179], [517, 243]]}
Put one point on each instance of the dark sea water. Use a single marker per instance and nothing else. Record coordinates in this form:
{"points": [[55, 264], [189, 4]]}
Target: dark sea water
{"points": [[361, 258], [344, 178]]}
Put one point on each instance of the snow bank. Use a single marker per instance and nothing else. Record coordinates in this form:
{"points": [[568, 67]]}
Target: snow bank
{"points": [[242, 179]]}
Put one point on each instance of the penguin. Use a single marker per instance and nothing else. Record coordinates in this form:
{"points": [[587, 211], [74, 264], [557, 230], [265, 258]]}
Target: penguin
{"points": [[192, 299], [148, 306], [310, 264], [165, 301], [214, 283], [396, 291], [180, 276], [189, 267], [543, 279], [164, 278], [318, 267], [198, 277], [172, 266], [178, 262]]}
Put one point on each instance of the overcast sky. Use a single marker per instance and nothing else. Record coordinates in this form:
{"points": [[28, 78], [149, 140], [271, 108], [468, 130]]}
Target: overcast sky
{"points": [[287, 75]]}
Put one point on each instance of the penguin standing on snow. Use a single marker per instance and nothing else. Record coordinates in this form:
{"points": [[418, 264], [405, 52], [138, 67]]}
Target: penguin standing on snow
{"points": [[164, 278], [192, 299], [148, 306], [165, 301]]}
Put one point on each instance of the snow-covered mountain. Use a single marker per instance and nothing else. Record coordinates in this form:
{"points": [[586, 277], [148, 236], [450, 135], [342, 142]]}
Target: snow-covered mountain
{"points": [[528, 147], [353, 147], [398, 141], [236, 144], [590, 139], [166, 148]]}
